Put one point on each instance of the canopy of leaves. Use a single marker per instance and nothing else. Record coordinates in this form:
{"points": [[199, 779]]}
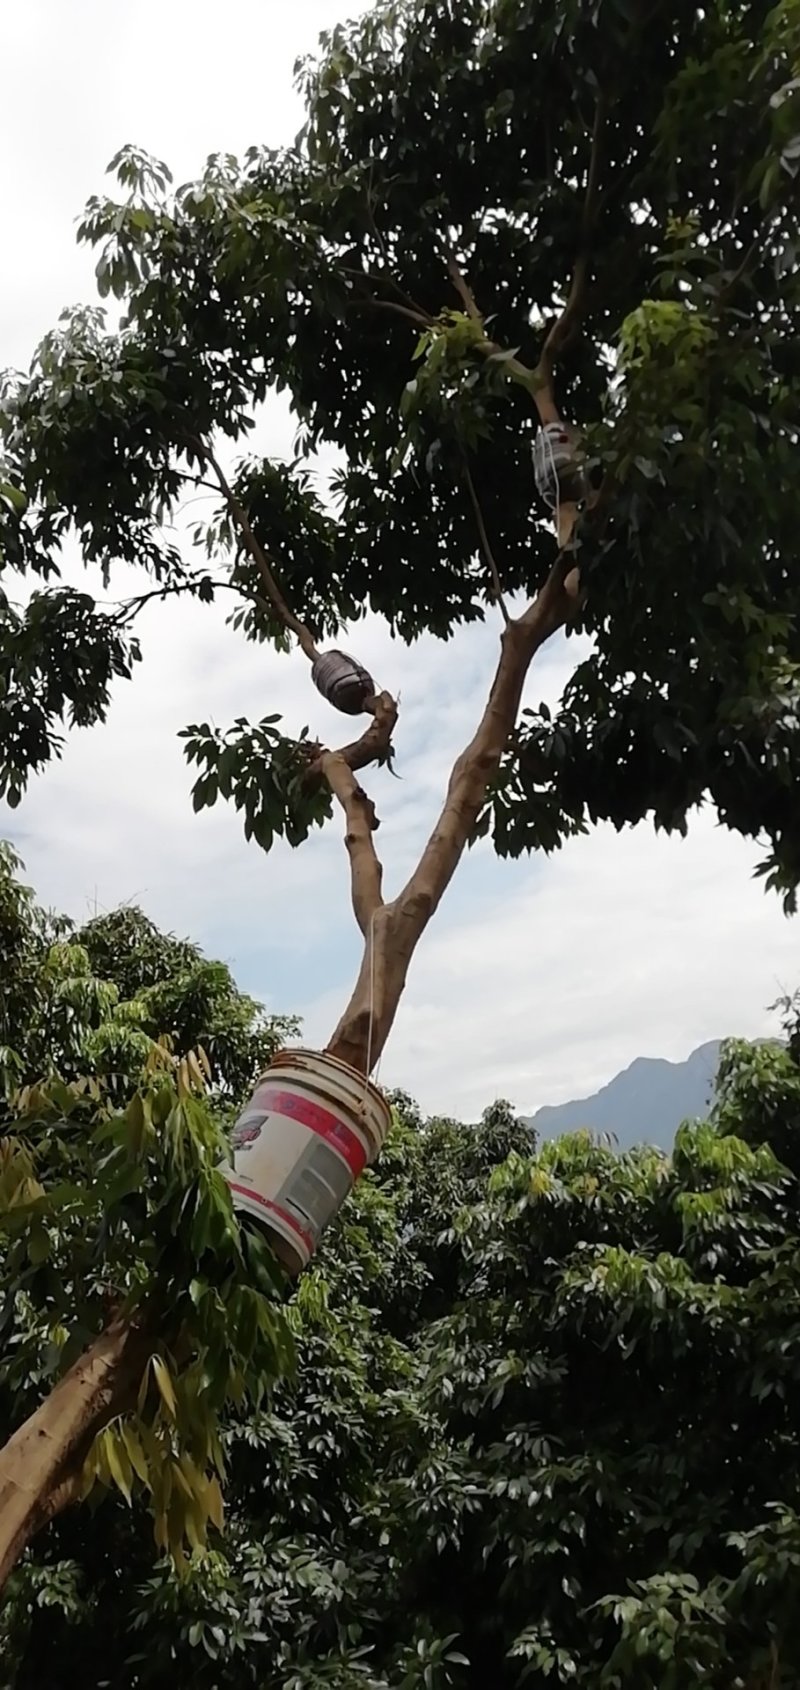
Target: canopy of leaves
{"points": [[101, 998], [115, 1087], [542, 1431], [463, 168]]}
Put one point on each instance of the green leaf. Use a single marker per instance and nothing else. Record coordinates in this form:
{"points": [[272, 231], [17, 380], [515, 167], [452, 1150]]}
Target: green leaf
{"points": [[165, 1386], [135, 1453], [118, 1463]]}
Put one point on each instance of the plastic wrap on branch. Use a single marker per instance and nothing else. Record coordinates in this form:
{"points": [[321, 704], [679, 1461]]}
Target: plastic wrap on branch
{"points": [[558, 466], [346, 684]]}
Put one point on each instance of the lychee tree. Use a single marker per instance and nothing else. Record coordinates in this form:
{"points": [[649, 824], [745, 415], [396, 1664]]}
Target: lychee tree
{"points": [[125, 1283], [500, 218]]}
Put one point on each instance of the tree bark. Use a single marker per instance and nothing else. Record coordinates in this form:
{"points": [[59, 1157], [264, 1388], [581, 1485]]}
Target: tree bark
{"points": [[40, 1466], [366, 872]]}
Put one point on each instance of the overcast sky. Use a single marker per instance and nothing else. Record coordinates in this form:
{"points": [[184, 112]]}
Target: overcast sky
{"points": [[537, 981]]}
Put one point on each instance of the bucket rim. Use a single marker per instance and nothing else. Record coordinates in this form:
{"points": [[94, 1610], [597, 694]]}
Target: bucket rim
{"points": [[335, 1062]]}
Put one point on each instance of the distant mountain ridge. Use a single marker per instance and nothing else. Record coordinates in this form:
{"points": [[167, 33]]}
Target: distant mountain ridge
{"points": [[645, 1104]]}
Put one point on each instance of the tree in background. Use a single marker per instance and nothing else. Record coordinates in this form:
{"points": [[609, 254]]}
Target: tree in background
{"points": [[497, 215], [115, 1218], [542, 1431], [97, 999]]}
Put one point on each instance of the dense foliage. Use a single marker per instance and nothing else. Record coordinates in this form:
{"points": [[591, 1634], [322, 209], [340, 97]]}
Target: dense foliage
{"points": [[543, 1425], [99, 998], [465, 169], [112, 1205], [542, 1431]]}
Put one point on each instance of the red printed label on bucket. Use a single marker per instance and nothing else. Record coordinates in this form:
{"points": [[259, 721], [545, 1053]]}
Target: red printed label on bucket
{"points": [[307, 1238], [318, 1120]]}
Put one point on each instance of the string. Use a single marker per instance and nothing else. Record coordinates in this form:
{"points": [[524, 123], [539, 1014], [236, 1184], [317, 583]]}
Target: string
{"points": [[554, 472], [371, 1000]]}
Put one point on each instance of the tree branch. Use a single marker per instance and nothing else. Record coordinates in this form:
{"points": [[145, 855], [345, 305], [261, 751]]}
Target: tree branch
{"points": [[375, 744], [336, 767], [384, 251], [741, 269], [127, 610], [531, 379], [421, 319], [290, 622], [564, 326], [484, 539], [366, 872], [463, 289], [478, 763], [40, 1462]]}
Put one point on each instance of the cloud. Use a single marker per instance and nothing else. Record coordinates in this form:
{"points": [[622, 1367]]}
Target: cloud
{"points": [[536, 980], [620, 946]]}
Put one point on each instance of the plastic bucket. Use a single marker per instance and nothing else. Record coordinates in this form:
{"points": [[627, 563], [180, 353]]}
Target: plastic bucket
{"points": [[311, 1127]]}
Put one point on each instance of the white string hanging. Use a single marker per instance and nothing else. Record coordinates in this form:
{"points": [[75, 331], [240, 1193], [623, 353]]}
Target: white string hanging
{"points": [[371, 946], [557, 468]]}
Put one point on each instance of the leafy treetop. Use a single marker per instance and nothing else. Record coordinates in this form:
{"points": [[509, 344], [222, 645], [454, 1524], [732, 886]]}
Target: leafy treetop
{"points": [[542, 1431], [495, 208], [100, 998], [116, 1229]]}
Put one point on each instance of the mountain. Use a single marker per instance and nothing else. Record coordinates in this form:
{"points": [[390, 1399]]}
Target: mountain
{"points": [[645, 1104]]}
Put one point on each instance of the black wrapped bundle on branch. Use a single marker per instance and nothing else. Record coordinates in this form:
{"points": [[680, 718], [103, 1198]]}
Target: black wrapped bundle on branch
{"points": [[346, 684]]}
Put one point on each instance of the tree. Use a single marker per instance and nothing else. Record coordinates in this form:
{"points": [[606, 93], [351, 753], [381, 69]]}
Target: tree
{"points": [[498, 214], [555, 1445], [126, 1288], [99, 999]]}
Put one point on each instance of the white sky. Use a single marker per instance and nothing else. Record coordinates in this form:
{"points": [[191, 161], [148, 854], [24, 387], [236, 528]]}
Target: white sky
{"points": [[538, 980]]}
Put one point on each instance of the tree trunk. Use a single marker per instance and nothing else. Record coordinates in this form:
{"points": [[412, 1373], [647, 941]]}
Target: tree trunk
{"points": [[396, 928], [41, 1464]]}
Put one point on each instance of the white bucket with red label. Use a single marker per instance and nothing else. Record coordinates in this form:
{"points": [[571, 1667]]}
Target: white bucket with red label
{"points": [[311, 1127]]}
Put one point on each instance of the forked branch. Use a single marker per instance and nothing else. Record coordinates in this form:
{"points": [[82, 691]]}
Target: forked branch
{"points": [[397, 927]]}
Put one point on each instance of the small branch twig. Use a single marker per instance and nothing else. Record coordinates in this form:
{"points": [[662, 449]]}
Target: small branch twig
{"points": [[484, 539], [740, 271], [420, 318], [384, 251], [463, 289], [291, 622], [336, 767], [129, 609], [564, 326]]}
